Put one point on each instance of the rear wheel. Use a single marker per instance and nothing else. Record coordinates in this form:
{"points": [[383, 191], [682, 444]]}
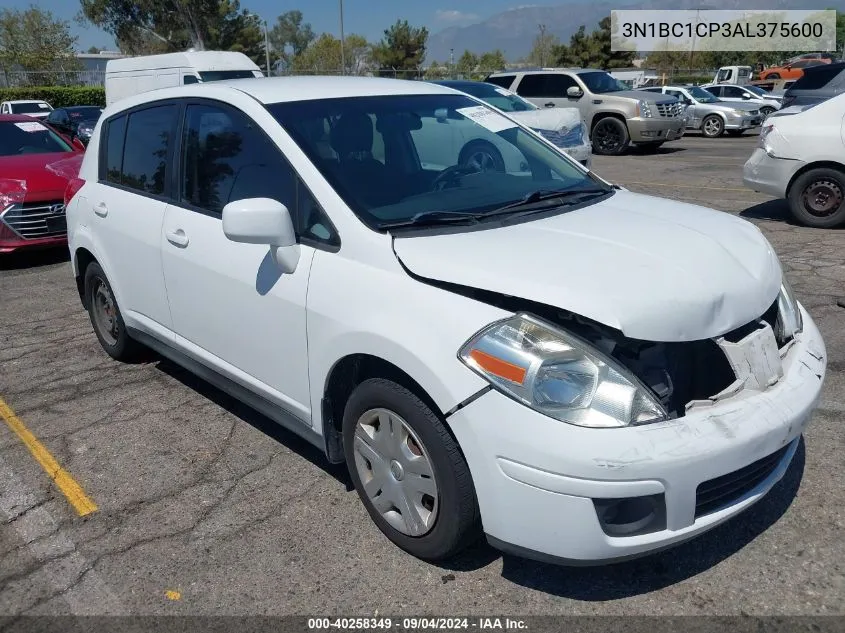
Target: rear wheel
{"points": [[817, 198], [713, 126], [772, 76], [610, 137], [106, 318], [408, 471]]}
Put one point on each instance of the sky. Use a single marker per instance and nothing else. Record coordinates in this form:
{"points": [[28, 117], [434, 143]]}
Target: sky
{"points": [[364, 17]]}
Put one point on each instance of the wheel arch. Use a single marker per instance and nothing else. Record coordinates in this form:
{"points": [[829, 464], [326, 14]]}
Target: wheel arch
{"points": [[82, 258], [598, 116], [821, 164]]}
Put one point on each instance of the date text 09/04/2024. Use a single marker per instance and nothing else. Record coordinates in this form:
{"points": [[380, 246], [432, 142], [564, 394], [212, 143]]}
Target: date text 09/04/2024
{"points": [[416, 624]]}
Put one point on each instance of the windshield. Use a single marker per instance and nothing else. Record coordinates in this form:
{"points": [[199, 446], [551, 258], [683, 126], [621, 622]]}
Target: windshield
{"points": [[220, 75], [701, 95], [599, 82], [497, 97], [29, 108], [393, 158], [29, 137]]}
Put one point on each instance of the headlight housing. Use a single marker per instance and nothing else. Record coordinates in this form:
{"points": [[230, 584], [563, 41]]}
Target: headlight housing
{"points": [[644, 109], [789, 321], [559, 375]]}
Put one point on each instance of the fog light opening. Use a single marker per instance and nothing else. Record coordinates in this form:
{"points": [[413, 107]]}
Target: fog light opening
{"points": [[630, 516]]}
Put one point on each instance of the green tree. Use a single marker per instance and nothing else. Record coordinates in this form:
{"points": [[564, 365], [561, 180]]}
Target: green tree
{"points": [[290, 37], [93, 50], [436, 71], [492, 61], [593, 50], [542, 51], [153, 26], [402, 48], [323, 56], [35, 40], [467, 63]]}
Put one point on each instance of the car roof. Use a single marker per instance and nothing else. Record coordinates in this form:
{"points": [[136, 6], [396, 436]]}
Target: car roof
{"points": [[17, 118], [537, 71], [267, 90], [26, 101]]}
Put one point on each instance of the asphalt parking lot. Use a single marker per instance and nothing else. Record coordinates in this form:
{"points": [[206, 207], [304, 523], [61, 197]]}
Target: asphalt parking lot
{"points": [[204, 507]]}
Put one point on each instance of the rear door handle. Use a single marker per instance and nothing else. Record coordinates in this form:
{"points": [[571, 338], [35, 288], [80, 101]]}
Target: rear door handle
{"points": [[177, 238], [550, 105], [101, 209]]}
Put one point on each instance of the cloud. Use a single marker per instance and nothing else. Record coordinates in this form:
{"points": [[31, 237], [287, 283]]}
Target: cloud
{"points": [[452, 15]]}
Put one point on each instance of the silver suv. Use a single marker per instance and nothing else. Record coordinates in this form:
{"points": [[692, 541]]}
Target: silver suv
{"points": [[710, 114], [617, 117]]}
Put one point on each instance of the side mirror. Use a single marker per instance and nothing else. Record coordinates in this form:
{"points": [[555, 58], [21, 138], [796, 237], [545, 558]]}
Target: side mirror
{"points": [[263, 221], [746, 96], [574, 92]]}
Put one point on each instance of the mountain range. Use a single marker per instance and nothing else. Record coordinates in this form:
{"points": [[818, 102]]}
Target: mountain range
{"points": [[513, 31]]}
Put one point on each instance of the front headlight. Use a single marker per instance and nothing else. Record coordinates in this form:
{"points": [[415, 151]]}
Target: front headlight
{"points": [[789, 322], [644, 109], [559, 375]]}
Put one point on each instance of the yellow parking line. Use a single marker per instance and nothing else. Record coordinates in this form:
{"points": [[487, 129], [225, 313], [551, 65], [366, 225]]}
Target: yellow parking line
{"points": [[660, 184], [81, 502]]}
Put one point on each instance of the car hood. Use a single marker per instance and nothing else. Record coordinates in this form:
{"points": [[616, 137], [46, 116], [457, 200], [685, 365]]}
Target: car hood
{"points": [[639, 95], [735, 105], [27, 176], [555, 119], [655, 269]]}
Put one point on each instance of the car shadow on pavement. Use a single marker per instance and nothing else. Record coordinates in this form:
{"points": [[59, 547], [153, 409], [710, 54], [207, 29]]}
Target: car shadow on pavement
{"points": [[34, 259], [777, 210], [639, 151], [669, 567], [298, 445]]}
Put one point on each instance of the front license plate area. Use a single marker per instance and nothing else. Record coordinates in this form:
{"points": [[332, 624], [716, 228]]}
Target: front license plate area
{"points": [[755, 359]]}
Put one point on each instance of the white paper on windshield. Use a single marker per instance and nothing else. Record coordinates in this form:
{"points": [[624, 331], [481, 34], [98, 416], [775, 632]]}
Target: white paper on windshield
{"points": [[30, 126], [487, 118]]}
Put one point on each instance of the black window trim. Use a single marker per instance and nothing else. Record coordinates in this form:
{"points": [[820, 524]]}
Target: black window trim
{"points": [[176, 177], [102, 167]]}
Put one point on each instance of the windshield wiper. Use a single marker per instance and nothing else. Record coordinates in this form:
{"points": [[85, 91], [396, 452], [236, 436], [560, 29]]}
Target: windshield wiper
{"points": [[534, 199], [431, 218]]}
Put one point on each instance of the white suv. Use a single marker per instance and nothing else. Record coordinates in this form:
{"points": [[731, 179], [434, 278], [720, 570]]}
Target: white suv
{"points": [[578, 371]]}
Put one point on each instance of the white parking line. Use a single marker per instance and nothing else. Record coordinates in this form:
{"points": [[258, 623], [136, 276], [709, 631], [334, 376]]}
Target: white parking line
{"points": [[38, 531]]}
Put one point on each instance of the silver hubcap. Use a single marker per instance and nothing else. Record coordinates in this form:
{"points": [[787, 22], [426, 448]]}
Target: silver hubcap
{"points": [[105, 314], [712, 126], [396, 472]]}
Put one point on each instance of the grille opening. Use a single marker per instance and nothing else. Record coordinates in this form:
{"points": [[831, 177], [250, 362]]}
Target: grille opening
{"points": [[723, 491], [33, 220]]}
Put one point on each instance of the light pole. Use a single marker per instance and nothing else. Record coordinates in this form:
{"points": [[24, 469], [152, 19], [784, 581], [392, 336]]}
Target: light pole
{"points": [[267, 48], [342, 54]]}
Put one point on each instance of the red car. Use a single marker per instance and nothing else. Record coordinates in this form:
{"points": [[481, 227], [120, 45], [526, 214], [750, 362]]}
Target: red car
{"points": [[36, 163]]}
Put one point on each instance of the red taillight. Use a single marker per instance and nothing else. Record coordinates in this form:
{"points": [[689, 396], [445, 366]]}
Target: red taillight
{"points": [[73, 187]]}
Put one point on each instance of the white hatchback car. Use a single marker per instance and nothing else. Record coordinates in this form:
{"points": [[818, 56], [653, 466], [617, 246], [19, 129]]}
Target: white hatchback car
{"points": [[580, 372]]}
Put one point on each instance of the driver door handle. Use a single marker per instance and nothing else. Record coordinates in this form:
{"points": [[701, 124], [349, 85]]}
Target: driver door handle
{"points": [[101, 209], [177, 238], [550, 105]]}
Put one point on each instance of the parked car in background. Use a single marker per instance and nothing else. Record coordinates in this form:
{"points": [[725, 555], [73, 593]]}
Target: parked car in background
{"points": [[516, 354], [30, 107], [825, 58], [36, 164], [766, 101], [617, 117], [76, 121], [562, 127], [132, 75], [733, 75], [801, 157], [792, 70], [818, 84], [711, 115]]}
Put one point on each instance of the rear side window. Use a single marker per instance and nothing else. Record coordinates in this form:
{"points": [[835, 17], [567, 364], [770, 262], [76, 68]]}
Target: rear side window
{"points": [[816, 78], [504, 81], [115, 136], [137, 148]]}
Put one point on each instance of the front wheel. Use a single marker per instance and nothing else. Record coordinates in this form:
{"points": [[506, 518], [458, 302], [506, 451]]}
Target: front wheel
{"points": [[817, 198], [772, 76], [713, 126], [480, 156], [610, 137], [408, 471], [766, 111]]}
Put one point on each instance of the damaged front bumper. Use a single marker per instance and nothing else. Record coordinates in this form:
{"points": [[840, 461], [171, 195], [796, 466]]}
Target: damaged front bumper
{"points": [[550, 490]]}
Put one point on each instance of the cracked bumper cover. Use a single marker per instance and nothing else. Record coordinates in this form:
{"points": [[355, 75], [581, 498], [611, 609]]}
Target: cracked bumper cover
{"points": [[536, 477]]}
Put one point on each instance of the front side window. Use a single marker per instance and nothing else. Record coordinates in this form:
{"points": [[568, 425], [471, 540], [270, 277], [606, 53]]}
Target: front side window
{"points": [[733, 92], [532, 86], [444, 154], [716, 91], [189, 79], [701, 95], [226, 157], [725, 74], [30, 108], [145, 152], [221, 75], [29, 137]]}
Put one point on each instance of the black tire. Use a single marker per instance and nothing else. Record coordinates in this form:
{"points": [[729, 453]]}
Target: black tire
{"points": [[765, 111], [650, 147], [817, 198], [610, 137], [772, 76], [117, 343], [735, 132], [482, 155], [457, 522], [712, 126]]}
